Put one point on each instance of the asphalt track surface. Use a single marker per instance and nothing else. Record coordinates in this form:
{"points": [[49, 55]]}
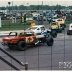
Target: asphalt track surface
{"points": [[57, 57]]}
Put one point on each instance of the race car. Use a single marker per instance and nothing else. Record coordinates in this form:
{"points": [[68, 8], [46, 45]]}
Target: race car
{"points": [[61, 22], [21, 40], [56, 27], [69, 31], [38, 29]]}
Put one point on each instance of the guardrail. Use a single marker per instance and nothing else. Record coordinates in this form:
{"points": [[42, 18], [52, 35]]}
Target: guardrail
{"points": [[21, 63]]}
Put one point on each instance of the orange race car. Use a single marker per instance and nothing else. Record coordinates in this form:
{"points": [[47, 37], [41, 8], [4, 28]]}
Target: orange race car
{"points": [[21, 40]]}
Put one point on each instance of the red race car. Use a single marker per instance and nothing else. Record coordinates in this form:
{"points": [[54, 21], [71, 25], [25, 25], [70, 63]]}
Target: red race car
{"points": [[21, 40]]}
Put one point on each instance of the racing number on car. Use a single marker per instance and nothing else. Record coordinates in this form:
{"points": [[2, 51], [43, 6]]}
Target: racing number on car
{"points": [[29, 39]]}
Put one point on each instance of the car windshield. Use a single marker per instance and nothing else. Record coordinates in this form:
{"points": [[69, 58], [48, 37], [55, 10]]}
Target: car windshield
{"points": [[53, 23], [59, 20], [26, 34], [33, 28], [55, 18]]}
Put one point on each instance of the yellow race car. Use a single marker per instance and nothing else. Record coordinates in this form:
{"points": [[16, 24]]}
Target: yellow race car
{"points": [[55, 27]]}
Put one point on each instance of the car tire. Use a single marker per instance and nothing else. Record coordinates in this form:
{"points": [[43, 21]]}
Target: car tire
{"points": [[11, 47], [68, 32], [60, 31], [50, 42], [64, 26], [21, 45], [54, 34]]}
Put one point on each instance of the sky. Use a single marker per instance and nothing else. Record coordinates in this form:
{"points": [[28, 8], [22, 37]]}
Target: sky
{"points": [[36, 2]]}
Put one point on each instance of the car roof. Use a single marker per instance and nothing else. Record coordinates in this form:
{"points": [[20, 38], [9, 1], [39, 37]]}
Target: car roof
{"points": [[71, 24], [28, 31], [54, 23], [38, 26]]}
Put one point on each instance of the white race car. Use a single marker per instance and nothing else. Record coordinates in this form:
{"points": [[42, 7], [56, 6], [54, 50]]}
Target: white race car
{"points": [[40, 29], [69, 31]]}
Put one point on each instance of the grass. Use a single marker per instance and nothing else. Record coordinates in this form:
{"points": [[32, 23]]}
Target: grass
{"points": [[7, 25], [67, 22]]}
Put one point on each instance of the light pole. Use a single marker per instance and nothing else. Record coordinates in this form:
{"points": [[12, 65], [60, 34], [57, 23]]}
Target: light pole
{"points": [[41, 22], [9, 6], [28, 11], [42, 12], [9, 12], [27, 7], [12, 7]]}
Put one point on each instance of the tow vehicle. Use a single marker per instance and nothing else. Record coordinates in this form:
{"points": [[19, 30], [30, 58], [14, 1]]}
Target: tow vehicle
{"points": [[21, 40], [69, 31], [38, 29]]}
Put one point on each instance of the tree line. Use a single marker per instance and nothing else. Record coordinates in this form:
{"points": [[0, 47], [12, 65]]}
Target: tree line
{"points": [[35, 7]]}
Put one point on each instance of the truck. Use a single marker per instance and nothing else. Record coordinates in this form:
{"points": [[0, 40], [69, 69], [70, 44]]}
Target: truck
{"points": [[22, 40]]}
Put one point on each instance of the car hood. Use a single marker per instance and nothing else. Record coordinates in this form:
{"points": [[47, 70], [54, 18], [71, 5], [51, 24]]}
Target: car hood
{"points": [[10, 37], [31, 30]]}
